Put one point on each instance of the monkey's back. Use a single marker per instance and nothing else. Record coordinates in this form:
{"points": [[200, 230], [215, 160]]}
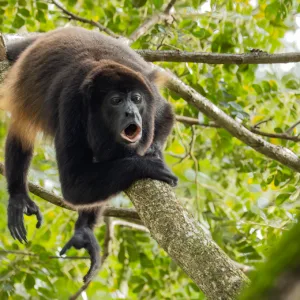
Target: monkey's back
{"points": [[53, 65]]}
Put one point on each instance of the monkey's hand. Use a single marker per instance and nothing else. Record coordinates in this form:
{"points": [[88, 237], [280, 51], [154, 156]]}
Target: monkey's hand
{"points": [[85, 238], [157, 169], [17, 207]]}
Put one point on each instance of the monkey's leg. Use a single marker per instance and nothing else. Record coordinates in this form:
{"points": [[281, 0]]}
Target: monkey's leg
{"points": [[17, 161], [84, 238]]}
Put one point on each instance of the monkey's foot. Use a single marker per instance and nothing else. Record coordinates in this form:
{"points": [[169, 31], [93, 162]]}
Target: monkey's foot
{"points": [[18, 206], [85, 238]]}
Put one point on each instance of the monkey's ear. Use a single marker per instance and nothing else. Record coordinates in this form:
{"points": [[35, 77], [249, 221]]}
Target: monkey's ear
{"points": [[159, 78]]}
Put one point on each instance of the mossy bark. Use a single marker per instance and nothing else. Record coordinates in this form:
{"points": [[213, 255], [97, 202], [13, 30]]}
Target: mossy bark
{"points": [[185, 241]]}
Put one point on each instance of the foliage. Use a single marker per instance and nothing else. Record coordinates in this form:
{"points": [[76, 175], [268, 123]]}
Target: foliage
{"points": [[277, 277], [243, 198]]}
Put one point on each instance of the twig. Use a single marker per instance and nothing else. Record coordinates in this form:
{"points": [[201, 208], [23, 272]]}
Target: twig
{"points": [[193, 141], [244, 268], [282, 136], [219, 58], [292, 127], [186, 148], [130, 225], [82, 289], [141, 30], [193, 121], [84, 20], [108, 238], [262, 122], [5, 252]]}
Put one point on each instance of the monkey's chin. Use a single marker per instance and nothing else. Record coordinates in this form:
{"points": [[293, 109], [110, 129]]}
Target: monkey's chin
{"points": [[131, 134]]}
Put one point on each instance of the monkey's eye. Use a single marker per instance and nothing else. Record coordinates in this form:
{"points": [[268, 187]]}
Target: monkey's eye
{"points": [[136, 98], [116, 100]]}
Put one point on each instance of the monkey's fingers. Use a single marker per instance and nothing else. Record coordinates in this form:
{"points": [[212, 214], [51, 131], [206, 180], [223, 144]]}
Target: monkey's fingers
{"points": [[66, 247], [33, 209], [16, 224], [93, 250], [39, 218]]}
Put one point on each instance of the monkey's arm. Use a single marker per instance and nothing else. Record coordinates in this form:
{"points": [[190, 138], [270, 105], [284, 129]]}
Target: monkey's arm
{"points": [[85, 183], [17, 160]]}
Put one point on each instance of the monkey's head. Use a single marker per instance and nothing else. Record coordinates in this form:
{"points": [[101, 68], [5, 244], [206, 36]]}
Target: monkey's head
{"points": [[121, 106]]}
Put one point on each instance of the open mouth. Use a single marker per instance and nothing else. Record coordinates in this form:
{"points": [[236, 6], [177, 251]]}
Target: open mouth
{"points": [[132, 133]]}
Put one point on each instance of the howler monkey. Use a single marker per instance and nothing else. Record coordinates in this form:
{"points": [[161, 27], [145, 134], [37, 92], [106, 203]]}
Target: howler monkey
{"points": [[98, 99]]}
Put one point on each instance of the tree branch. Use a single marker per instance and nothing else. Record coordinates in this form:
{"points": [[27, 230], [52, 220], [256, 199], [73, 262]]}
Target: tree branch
{"points": [[282, 136], [254, 129], [157, 18], [219, 58], [83, 20], [280, 154], [193, 121]]}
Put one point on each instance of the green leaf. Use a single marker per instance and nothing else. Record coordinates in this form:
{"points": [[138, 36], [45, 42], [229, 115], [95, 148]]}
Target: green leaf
{"points": [[292, 84], [271, 10], [41, 5], [18, 21], [145, 261], [282, 198], [158, 3], [29, 282], [138, 3], [40, 16], [24, 12], [72, 2], [201, 33], [235, 105]]}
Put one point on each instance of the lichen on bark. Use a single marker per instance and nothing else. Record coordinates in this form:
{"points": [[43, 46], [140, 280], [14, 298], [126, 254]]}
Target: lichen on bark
{"points": [[185, 241]]}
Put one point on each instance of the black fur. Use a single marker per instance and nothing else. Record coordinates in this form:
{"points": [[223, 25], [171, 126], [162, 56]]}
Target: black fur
{"points": [[60, 84]]}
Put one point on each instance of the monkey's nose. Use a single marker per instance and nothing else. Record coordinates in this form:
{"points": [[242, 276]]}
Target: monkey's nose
{"points": [[129, 114]]}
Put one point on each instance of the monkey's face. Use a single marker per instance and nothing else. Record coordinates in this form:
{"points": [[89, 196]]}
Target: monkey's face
{"points": [[121, 109], [123, 112]]}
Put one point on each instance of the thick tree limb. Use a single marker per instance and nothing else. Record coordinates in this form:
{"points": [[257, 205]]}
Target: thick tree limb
{"points": [[219, 58], [185, 241], [195, 57]]}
